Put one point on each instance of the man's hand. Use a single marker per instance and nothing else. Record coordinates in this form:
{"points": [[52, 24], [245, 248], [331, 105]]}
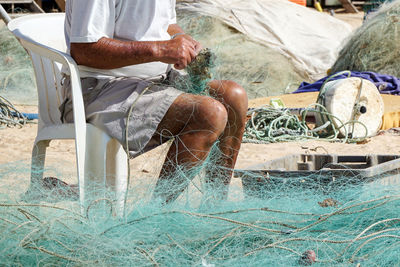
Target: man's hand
{"points": [[190, 38], [179, 51]]}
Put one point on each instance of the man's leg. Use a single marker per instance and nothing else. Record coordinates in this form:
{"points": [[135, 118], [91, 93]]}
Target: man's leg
{"points": [[196, 122], [235, 101]]}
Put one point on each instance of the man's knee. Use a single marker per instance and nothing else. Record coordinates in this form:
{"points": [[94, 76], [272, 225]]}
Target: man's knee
{"points": [[234, 96], [212, 116]]}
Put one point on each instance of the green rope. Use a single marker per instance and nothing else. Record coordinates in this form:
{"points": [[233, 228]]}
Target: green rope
{"points": [[270, 125]]}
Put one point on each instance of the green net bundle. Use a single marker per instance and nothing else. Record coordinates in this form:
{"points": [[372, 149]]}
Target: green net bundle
{"points": [[260, 70], [345, 223], [374, 46], [17, 82]]}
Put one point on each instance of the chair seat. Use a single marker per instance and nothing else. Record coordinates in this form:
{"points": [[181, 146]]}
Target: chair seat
{"points": [[58, 131]]}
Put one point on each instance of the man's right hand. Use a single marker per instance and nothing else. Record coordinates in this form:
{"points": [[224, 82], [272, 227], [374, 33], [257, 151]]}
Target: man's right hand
{"points": [[179, 51]]}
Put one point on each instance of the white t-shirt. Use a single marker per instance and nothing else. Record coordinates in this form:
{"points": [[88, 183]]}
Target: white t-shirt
{"points": [[87, 21]]}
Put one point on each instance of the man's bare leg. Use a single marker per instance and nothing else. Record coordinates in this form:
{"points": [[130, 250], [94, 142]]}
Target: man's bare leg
{"points": [[197, 122], [235, 101]]}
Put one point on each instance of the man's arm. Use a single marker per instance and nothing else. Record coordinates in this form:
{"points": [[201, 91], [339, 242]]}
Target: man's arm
{"points": [[110, 53]]}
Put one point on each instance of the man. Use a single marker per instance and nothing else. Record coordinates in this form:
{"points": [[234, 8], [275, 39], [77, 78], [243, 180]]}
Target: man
{"points": [[125, 49]]}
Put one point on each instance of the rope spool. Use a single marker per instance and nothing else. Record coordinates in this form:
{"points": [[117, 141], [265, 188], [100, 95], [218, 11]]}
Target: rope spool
{"points": [[355, 104]]}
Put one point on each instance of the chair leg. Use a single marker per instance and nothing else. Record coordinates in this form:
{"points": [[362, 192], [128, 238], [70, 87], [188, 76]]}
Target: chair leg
{"points": [[117, 174], [105, 165], [92, 184], [38, 160]]}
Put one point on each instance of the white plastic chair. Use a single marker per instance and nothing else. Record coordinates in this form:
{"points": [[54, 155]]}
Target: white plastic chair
{"points": [[99, 158]]}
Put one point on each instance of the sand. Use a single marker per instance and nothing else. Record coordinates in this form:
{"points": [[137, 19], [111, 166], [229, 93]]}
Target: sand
{"points": [[16, 146]]}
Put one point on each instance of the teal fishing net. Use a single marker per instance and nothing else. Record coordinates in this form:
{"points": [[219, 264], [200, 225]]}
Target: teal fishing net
{"points": [[345, 221]]}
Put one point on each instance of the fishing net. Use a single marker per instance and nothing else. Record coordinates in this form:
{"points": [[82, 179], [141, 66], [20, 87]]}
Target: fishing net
{"points": [[345, 222], [260, 70], [309, 40], [374, 46], [17, 82], [288, 221]]}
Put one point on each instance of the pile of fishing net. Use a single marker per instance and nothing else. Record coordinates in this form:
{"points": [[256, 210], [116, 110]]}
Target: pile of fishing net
{"points": [[17, 82], [374, 46], [267, 46], [345, 222], [259, 69]]}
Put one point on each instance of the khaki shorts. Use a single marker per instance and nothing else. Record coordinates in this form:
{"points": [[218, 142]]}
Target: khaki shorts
{"points": [[108, 101]]}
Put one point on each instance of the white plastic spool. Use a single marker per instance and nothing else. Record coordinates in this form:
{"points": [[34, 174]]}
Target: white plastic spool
{"points": [[353, 99]]}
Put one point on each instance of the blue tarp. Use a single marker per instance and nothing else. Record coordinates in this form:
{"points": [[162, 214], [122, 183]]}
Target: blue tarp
{"points": [[385, 83]]}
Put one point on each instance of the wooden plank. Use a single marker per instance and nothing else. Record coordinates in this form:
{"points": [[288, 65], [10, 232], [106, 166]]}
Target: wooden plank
{"points": [[15, 1], [348, 5], [61, 4], [33, 5]]}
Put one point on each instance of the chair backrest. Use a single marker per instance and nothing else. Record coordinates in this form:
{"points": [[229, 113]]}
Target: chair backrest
{"points": [[46, 30]]}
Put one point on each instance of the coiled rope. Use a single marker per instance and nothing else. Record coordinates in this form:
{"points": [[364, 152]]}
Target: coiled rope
{"points": [[270, 125]]}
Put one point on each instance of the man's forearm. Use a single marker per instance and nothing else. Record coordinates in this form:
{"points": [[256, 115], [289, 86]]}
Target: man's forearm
{"points": [[110, 53]]}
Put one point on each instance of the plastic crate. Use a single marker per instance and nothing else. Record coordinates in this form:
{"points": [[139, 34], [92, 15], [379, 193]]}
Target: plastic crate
{"points": [[332, 170]]}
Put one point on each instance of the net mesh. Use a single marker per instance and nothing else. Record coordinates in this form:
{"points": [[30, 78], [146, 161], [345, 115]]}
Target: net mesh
{"points": [[260, 70], [345, 221], [288, 221]]}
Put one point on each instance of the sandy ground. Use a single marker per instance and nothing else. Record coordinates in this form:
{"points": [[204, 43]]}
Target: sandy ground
{"points": [[16, 145]]}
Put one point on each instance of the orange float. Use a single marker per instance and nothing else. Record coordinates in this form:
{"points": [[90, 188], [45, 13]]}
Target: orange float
{"points": [[300, 2]]}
